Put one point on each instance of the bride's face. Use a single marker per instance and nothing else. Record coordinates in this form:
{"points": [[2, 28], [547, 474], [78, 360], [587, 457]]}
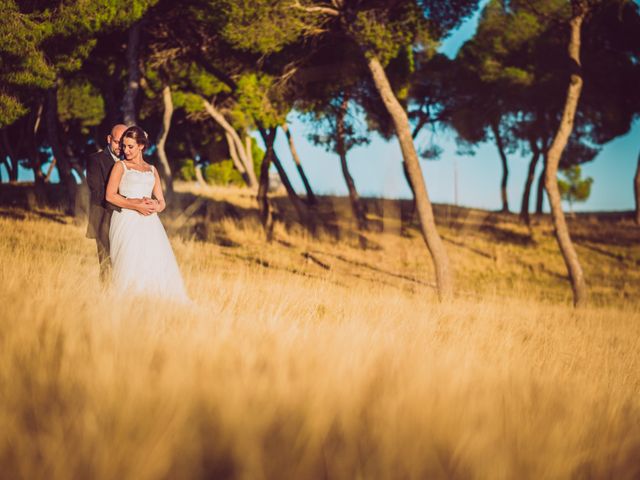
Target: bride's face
{"points": [[131, 148]]}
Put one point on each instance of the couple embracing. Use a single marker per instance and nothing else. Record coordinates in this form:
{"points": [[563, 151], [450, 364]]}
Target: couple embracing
{"points": [[126, 196]]}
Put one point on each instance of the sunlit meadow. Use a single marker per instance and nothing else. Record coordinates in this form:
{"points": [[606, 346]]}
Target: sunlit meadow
{"points": [[310, 357]]}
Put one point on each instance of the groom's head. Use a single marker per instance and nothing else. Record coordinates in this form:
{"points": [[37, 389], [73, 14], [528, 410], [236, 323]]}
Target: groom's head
{"points": [[113, 139]]}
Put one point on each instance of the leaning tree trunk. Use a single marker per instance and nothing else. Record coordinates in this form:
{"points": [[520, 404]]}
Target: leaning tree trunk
{"points": [[524, 208], [311, 198], [220, 120], [540, 188], [505, 167], [266, 216], [291, 193], [12, 164], [110, 99], [165, 168], [235, 158], [133, 82], [62, 162], [3, 161], [35, 162], [636, 189], [553, 160], [197, 165], [248, 148], [444, 275], [356, 205], [52, 165]]}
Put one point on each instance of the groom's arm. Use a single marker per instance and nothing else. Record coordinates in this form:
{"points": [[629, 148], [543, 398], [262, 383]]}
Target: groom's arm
{"points": [[94, 180], [105, 203]]}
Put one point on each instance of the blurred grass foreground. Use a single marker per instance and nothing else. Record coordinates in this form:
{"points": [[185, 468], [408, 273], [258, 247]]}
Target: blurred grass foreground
{"points": [[310, 357]]}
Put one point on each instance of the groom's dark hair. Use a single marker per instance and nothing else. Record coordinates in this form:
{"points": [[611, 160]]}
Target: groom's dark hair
{"points": [[136, 133]]}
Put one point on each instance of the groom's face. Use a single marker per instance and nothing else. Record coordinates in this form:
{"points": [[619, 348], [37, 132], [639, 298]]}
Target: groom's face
{"points": [[114, 138], [114, 144]]}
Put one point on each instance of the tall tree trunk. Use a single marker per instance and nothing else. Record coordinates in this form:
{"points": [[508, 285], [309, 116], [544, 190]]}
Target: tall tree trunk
{"points": [[220, 120], [266, 216], [165, 168], [197, 165], [199, 176], [291, 193], [248, 162], [4, 161], [636, 189], [269, 138], [356, 205], [133, 82], [248, 148], [8, 153], [35, 162], [52, 165], [13, 173], [444, 274], [540, 188], [111, 103], [311, 198], [524, 208], [62, 162], [505, 167], [555, 152], [235, 158]]}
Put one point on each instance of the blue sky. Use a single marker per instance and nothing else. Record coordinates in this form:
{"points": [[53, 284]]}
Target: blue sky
{"points": [[377, 168]]}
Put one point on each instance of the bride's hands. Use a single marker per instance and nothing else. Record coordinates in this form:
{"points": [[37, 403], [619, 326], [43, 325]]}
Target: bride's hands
{"points": [[153, 203], [146, 206]]}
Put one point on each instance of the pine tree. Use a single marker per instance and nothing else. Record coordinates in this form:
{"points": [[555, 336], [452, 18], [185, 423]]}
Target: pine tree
{"points": [[574, 188]]}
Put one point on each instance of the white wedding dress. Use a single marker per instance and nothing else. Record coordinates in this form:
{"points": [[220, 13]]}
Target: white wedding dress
{"points": [[141, 255]]}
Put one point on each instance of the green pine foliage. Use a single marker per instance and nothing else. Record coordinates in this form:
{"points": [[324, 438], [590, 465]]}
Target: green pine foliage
{"points": [[187, 171], [224, 173], [80, 101], [264, 26], [23, 65], [574, 188], [221, 172], [41, 41]]}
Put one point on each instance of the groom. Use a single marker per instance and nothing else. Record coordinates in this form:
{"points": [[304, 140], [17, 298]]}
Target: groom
{"points": [[98, 170]]}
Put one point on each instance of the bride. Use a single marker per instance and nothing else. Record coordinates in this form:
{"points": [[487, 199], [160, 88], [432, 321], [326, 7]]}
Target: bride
{"points": [[141, 255]]}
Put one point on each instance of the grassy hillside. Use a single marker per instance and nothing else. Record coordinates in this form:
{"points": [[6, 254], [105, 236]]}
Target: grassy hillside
{"points": [[311, 357]]}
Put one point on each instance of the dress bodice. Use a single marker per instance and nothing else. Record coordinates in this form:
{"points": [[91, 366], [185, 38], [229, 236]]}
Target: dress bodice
{"points": [[136, 184]]}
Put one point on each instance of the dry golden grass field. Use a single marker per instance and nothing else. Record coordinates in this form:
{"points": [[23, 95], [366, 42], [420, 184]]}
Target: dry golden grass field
{"points": [[308, 357]]}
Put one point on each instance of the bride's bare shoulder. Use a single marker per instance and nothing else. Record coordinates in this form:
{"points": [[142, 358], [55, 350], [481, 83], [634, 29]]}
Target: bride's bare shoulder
{"points": [[119, 166]]}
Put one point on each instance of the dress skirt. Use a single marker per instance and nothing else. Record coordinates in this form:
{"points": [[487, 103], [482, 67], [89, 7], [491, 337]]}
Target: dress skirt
{"points": [[142, 257]]}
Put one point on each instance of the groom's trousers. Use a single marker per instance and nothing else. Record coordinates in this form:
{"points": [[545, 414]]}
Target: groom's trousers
{"points": [[102, 241], [100, 231]]}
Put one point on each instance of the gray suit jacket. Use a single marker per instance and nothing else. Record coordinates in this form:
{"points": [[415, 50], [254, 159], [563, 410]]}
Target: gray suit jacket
{"points": [[98, 170]]}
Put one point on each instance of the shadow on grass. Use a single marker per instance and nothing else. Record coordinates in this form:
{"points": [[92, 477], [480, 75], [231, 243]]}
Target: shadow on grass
{"points": [[195, 216], [12, 215]]}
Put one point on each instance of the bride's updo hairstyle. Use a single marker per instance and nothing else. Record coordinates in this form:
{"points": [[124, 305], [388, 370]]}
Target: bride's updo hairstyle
{"points": [[137, 134]]}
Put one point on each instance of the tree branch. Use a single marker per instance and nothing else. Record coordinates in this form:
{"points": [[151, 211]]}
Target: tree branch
{"points": [[324, 9]]}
